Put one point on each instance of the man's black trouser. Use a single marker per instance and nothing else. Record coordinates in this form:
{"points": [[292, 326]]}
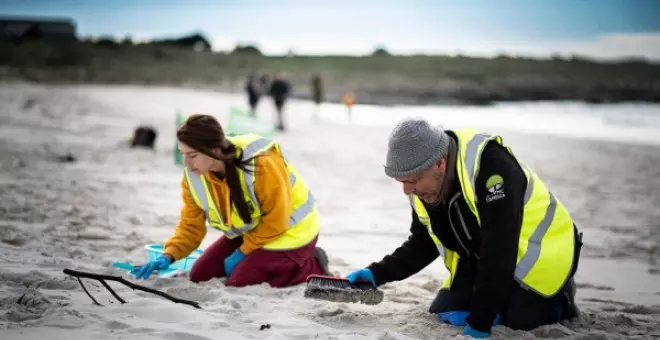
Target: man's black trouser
{"points": [[524, 310]]}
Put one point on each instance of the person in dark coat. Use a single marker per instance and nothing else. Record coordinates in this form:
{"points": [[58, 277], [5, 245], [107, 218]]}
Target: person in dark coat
{"points": [[317, 89], [510, 246], [280, 90], [317, 92], [254, 91]]}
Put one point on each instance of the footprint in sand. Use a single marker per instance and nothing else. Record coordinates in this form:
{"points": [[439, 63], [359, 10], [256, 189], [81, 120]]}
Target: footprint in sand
{"points": [[26, 279], [93, 234], [12, 235], [140, 330], [431, 286], [30, 305], [56, 283], [116, 325], [592, 286], [642, 310], [199, 294], [220, 324], [330, 313], [555, 331]]}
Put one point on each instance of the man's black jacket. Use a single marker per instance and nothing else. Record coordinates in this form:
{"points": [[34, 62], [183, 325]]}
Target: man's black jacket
{"points": [[493, 246]]}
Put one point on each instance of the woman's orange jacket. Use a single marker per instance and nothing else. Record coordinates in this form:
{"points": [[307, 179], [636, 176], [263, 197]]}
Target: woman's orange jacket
{"points": [[273, 190]]}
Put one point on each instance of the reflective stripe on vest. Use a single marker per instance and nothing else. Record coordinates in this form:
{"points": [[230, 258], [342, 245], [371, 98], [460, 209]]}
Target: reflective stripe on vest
{"points": [[473, 155], [449, 258], [426, 221], [542, 212], [203, 198]]}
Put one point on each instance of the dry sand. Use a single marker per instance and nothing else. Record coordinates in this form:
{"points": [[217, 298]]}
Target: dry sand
{"points": [[112, 200]]}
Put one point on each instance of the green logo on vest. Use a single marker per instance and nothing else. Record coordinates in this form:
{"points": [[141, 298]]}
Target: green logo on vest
{"points": [[494, 183]]}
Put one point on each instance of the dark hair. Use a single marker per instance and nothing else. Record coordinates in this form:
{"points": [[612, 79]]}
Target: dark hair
{"points": [[204, 133]]}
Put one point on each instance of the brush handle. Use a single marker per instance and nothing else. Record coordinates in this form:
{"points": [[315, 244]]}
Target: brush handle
{"points": [[335, 278]]}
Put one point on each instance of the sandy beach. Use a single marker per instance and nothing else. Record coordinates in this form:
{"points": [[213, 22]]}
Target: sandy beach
{"points": [[112, 200]]}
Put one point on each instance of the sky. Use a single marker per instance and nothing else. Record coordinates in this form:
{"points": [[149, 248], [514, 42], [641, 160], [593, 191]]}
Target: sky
{"points": [[601, 29]]}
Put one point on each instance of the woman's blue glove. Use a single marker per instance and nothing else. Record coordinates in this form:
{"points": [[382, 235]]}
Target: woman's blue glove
{"points": [[459, 318], [232, 260], [160, 263], [475, 333], [361, 274]]}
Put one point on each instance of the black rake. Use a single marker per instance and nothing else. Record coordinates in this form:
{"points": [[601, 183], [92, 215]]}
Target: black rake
{"points": [[102, 278]]}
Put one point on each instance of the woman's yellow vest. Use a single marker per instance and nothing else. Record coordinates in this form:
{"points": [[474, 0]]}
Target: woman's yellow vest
{"points": [[546, 244], [303, 221]]}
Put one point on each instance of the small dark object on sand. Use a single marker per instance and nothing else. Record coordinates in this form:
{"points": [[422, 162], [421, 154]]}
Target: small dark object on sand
{"points": [[68, 158], [144, 136], [337, 289], [29, 103], [266, 326]]}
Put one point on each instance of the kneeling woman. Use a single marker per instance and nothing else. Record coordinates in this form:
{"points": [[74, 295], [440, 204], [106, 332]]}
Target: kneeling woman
{"points": [[244, 187]]}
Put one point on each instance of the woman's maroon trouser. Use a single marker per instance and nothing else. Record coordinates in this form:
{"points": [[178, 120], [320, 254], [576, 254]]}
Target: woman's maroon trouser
{"points": [[278, 268]]}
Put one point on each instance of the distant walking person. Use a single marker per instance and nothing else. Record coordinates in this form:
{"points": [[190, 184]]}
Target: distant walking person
{"points": [[349, 100], [279, 90], [317, 92], [254, 90]]}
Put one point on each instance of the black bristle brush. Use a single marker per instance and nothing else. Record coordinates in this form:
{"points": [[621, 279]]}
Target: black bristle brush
{"points": [[338, 289]]}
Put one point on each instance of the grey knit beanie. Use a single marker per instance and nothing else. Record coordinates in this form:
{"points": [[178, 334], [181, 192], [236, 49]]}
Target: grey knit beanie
{"points": [[414, 146]]}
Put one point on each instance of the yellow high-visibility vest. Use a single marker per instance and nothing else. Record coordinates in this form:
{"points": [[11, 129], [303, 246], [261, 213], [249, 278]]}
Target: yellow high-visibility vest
{"points": [[546, 244], [304, 223]]}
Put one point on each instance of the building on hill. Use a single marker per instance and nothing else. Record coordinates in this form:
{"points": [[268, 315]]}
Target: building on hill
{"points": [[28, 28], [196, 42]]}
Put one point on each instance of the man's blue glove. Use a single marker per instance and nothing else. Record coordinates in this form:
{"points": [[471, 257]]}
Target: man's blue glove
{"points": [[232, 260], [361, 274], [456, 318], [160, 263], [475, 333], [459, 318]]}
